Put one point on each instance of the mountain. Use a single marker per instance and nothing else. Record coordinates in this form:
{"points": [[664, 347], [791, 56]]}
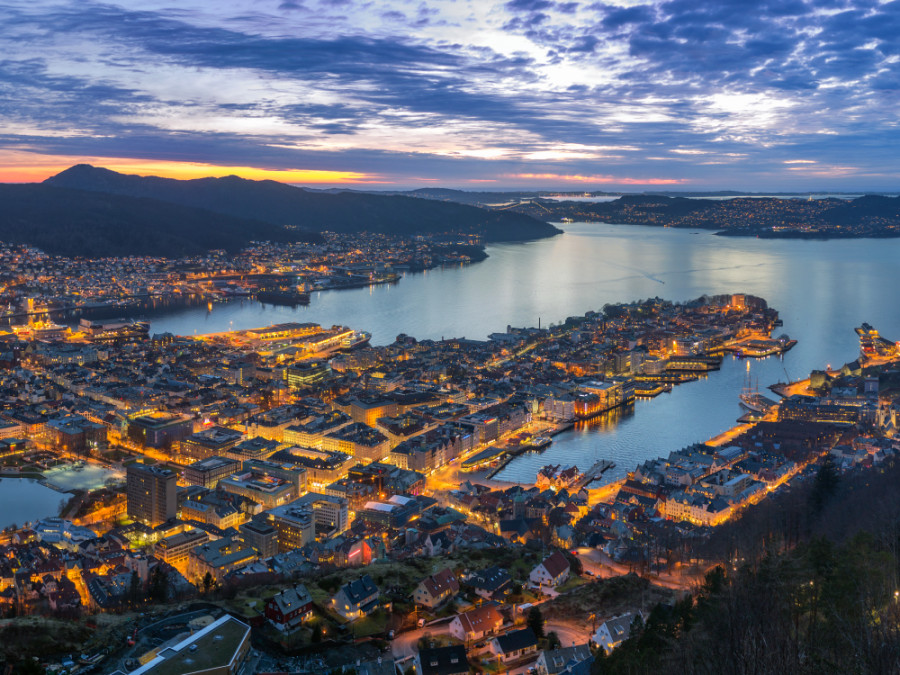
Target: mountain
{"points": [[286, 205], [80, 223]]}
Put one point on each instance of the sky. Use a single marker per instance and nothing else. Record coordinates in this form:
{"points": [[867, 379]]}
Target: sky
{"points": [[755, 95]]}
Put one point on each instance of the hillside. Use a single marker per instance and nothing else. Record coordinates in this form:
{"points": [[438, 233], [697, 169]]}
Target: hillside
{"points": [[78, 223], [867, 216], [286, 205]]}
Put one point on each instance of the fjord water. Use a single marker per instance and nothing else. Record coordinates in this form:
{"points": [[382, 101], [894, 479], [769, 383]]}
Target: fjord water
{"points": [[823, 289]]}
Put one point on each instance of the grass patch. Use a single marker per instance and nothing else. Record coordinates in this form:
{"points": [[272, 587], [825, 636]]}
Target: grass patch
{"points": [[606, 598]]}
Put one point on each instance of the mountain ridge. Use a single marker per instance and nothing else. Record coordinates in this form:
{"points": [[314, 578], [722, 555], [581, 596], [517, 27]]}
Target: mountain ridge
{"points": [[286, 205]]}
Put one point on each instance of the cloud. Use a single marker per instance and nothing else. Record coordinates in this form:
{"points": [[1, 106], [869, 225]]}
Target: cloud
{"points": [[461, 91]]}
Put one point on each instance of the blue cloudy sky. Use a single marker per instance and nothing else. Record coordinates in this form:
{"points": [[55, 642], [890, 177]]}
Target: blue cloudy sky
{"points": [[622, 94]]}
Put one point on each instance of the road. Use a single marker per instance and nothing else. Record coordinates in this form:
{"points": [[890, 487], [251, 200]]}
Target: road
{"points": [[404, 644], [602, 566]]}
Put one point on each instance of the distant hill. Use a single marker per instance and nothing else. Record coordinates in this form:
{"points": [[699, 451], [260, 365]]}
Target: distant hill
{"points": [[867, 216], [315, 210], [80, 223]]}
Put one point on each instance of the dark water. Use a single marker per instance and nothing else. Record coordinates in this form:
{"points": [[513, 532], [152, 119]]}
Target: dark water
{"points": [[24, 500], [823, 289]]}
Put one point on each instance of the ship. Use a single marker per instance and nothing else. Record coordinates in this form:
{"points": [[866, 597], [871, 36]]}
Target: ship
{"points": [[752, 400], [288, 298], [357, 339], [541, 441]]}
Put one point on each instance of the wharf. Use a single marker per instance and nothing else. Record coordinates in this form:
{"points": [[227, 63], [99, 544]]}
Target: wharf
{"points": [[593, 474]]}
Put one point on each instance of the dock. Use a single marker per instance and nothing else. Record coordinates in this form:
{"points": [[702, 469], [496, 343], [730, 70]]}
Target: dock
{"points": [[592, 474]]}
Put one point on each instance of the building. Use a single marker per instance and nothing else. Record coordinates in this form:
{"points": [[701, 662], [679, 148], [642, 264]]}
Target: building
{"points": [[212, 442], [575, 660], [362, 442], [74, 434], [296, 475], [218, 558], [294, 525], [515, 645], [208, 472], [552, 571], [267, 491], [289, 608], [175, 549], [356, 599], [256, 448], [614, 632], [443, 661], [159, 430], [433, 591], [260, 536], [151, 494], [331, 514], [476, 624], [219, 649], [494, 583], [322, 468]]}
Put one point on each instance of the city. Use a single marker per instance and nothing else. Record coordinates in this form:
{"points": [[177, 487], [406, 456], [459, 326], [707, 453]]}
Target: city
{"points": [[484, 337], [246, 465]]}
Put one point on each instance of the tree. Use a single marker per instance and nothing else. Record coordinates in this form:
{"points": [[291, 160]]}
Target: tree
{"points": [[208, 582], [553, 640], [535, 621], [159, 585], [134, 589], [825, 484]]}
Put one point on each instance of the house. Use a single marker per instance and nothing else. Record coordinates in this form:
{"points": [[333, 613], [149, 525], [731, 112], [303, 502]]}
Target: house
{"points": [[494, 583], [552, 571], [515, 645], [434, 590], [356, 599], [290, 608], [443, 661], [575, 660], [614, 632], [476, 623]]}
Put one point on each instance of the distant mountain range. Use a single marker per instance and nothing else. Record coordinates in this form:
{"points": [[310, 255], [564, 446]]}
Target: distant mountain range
{"points": [[69, 222], [866, 216], [265, 209]]}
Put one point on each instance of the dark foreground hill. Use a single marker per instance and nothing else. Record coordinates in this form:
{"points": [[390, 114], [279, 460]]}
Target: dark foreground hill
{"points": [[80, 223], [286, 205]]}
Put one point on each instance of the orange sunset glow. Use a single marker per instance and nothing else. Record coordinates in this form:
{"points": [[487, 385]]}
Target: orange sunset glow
{"points": [[24, 168]]}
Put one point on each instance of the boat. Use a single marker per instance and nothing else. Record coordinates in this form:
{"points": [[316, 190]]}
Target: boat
{"points": [[359, 338], [541, 441], [286, 298], [752, 400]]}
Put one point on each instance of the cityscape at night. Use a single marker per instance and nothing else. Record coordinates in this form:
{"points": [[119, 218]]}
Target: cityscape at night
{"points": [[524, 337]]}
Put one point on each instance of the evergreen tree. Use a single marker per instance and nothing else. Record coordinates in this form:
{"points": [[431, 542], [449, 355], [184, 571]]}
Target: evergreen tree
{"points": [[535, 621]]}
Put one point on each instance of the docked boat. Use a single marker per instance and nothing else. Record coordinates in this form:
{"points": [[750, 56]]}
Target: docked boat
{"points": [[288, 298], [752, 400], [359, 338], [541, 441]]}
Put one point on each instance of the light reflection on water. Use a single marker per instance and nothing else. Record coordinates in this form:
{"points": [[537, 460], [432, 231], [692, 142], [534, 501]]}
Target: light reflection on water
{"points": [[823, 289]]}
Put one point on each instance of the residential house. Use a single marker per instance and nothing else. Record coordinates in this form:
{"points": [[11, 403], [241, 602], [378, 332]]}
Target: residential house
{"points": [[290, 608], [494, 583], [575, 660], [436, 589], [614, 632], [515, 645], [476, 623], [552, 571], [443, 661], [356, 599]]}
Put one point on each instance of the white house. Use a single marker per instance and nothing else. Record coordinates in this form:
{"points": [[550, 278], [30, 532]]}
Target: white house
{"points": [[614, 632], [552, 571]]}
